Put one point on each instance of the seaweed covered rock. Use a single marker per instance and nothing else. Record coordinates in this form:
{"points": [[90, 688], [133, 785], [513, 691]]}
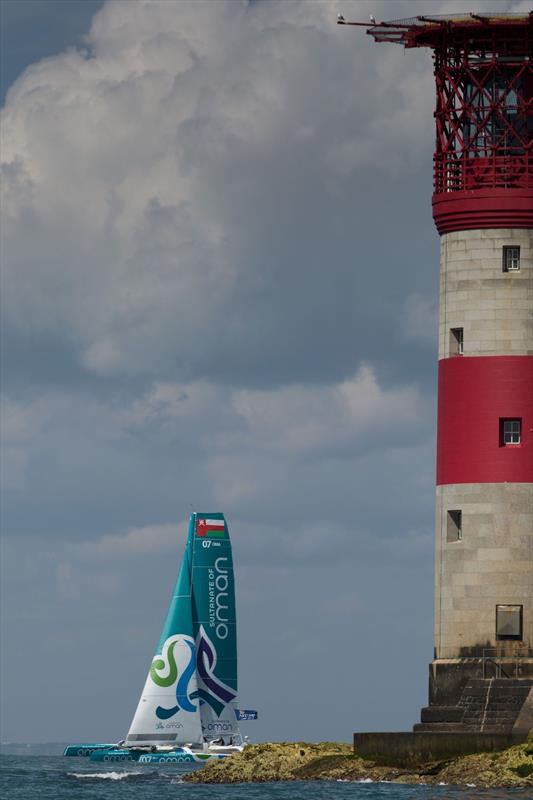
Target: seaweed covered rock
{"points": [[337, 761], [512, 767], [267, 762]]}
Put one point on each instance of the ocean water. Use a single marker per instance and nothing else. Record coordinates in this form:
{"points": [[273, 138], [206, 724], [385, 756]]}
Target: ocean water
{"points": [[58, 778]]}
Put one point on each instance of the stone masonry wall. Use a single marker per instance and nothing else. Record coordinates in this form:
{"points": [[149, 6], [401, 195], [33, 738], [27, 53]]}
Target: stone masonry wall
{"points": [[495, 308], [490, 565], [493, 562]]}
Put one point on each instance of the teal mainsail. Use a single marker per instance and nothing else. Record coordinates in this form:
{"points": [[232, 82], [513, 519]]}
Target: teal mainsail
{"points": [[191, 689], [214, 625]]}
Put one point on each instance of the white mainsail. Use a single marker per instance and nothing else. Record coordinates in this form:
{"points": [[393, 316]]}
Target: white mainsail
{"points": [[165, 713]]}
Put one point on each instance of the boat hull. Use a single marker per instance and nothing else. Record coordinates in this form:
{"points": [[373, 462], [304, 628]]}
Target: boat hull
{"points": [[85, 750], [177, 756]]}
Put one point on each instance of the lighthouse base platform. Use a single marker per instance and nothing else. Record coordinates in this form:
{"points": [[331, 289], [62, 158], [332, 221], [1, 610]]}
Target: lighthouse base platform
{"points": [[479, 695], [411, 749], [475, 705]]}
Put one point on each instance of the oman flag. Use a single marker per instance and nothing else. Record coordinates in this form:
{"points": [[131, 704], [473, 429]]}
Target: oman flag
{"points": [[210, 527]]}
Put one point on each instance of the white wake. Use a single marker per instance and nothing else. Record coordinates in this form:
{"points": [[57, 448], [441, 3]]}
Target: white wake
{"points": [[110, 776]]}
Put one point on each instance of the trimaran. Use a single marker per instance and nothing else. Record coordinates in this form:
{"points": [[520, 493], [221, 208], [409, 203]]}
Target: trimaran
{"points": [[187, 711]]}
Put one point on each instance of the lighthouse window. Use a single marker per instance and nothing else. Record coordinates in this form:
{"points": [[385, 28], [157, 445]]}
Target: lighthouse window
{"points": [[511, 430], [509, 622], [456, 341], [511, 259], [454, 527]]}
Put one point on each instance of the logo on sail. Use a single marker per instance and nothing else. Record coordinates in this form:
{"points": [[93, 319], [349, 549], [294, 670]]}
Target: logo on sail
{"points": [[165, 672], [211, 690], [178, 663], [218, 586]]}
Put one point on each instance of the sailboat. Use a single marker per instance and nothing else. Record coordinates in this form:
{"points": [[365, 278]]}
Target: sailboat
{"points": [[187, 712]]}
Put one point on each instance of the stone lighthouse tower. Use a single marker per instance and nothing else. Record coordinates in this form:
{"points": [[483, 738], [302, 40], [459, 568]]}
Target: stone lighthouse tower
{"points": [[481, 677]]}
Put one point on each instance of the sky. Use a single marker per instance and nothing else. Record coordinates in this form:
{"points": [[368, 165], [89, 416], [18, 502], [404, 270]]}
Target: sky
{"points": [[219, 285]]}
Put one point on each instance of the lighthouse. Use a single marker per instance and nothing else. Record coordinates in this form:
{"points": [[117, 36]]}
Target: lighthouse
{"points": [[481, 676]]}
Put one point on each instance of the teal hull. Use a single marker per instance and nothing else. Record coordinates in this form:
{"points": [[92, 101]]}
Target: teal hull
{"points": [[85, 750], [114, 754], [177, 756]]}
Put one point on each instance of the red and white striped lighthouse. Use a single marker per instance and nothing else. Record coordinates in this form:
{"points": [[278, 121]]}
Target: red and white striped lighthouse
{"points": [[483, 210]]}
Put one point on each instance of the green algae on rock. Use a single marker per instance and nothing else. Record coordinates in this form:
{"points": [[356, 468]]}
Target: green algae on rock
{"points": [[289, 761]]}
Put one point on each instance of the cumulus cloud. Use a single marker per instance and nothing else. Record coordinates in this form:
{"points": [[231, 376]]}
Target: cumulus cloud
{"points": [[176, 195]]}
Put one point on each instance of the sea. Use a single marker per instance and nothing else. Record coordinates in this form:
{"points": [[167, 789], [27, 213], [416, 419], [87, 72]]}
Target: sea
{"points": [[56, 778]]}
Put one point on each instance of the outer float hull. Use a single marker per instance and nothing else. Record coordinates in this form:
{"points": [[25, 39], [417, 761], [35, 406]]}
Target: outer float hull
{"points": [[178, 756], [85, 750]]}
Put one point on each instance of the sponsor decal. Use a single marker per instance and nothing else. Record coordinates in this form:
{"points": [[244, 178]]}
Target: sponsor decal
{"points": [[164, 672], [218, 584], [245, 713], [173, 758], [212, 691], [218, 727]]}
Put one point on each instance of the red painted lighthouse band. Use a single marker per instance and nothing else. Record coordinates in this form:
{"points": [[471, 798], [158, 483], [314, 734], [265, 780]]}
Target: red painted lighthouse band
{"points": [[487, 208], [475, 395]]}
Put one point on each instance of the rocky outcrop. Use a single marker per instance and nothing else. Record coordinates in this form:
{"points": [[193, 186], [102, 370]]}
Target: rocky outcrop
{"points": [[333, 761]]}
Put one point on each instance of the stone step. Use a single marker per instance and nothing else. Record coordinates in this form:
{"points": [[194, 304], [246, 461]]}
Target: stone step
{"points": [[490, 705], [473, 696], [478, 721], [489, 729], [441, 714], [439, 727], [496, 690], [459, 727], [499, 683], [509, 713], [488, 717]]}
